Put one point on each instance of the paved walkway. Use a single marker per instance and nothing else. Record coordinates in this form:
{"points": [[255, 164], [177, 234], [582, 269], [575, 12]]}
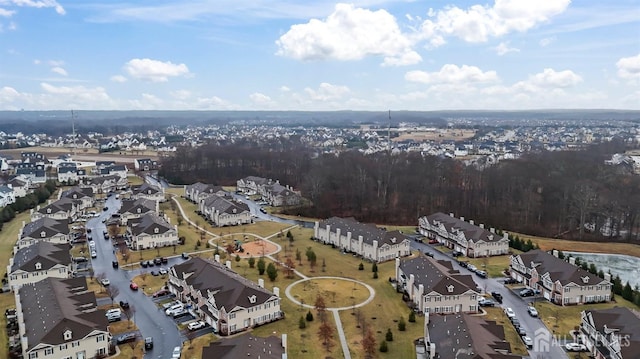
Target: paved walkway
{"points": [[335, 311]]}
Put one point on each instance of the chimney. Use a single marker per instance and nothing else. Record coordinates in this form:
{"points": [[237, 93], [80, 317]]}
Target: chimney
{"points": [[451, 214], [607, 277], [217, 258], [572, 260], [276, 291], [260, 282], [481, 225], [492, 230], [228, 264], [555, 253], [471, 222], [462, 218]]}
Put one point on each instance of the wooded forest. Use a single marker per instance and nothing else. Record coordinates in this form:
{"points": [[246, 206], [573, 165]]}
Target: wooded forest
{"points": [[566, 194]]}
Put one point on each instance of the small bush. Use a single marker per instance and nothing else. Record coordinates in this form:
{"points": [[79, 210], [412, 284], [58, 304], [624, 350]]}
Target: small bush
{"points": [[389, 336], [301, 323], [402, 325], [383, 347], [361, 266], [412, 317], [309, 316]]}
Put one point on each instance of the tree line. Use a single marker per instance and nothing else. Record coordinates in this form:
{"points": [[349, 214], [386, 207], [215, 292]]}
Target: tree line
{"points": [[31, 200], [566, 194]]}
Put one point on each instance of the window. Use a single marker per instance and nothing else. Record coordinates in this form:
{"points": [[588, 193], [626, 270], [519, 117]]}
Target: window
{"points": [[63, 347], [33, 355], [75, 344], [100, 338], [48, 351], [232, 315]]}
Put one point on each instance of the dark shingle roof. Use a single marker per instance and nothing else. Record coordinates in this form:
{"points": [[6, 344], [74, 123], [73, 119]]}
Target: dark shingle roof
{"points": [[64, 204], [45, 253], [471, 231], [245, 346], [79, 192], [148, 223], [622, 322], [53, 306], [137, 206], [48, 225], [225, 205], [558, 269], [437, 275], [369, 232], [229, 289], [144, 188]]}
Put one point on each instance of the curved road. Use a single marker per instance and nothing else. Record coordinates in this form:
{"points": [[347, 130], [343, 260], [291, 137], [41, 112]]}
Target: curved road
{"points": [[151, 321]]}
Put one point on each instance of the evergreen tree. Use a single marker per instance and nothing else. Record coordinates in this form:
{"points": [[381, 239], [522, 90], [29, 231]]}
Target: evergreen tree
{"points": [[402, 325], [252, 262], [383, 347], [374, 267], [301, 323], [272, 272], [389, 336], [627, 292], [261, 266], [309, 316], [360, 266], [412, 317]]}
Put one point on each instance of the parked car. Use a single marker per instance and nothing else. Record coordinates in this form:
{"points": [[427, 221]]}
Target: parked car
{"points": [[155, 273], [481, 274], [163, 271], [177, 351], [527, 292], [510, 313], [125, 338], [94, 254], [105, 282], [79, 259], [456, 254], [174, 308], [157, 261], [148, 343], [463, 264], [521, 331], [575, 347], [196, 325], [185, 255], [124, 304], [510, 281], [114, 264], [497, 296], [144, 264], [471, 267], [433, 241], [428, 254], [179, 313], [532, 311], [161, 292], [133, 286], [527, 341], [484, 302]]}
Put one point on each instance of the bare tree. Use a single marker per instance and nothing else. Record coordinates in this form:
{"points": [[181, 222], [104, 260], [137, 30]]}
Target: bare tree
{"points": [[325, 332], [369, 344], [321, 307], [112, 292]]}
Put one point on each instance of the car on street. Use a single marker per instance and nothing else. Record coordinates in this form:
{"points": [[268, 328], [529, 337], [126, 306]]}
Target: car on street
{"points": [[471, 267], [463, 264], [105, 282], [456, 254], [428, 254], [521, 331], [94, 254], [185, 255], [125, 338], [527, 341], [510, 281], [155, 273], [527, 292], [532, 311], [133, 286], [115, 264], [177, 351], [481, 274], [199, 324], [497, 296], [105, 208], [157, 261], [144, 264], [510, 313], [484, 302], [575, 347], [148, 343], [124, 304], [163, 271]]}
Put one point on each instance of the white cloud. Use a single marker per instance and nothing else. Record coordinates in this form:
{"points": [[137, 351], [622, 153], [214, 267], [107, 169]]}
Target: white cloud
{"points": [[59, 71], [629, 67], [214, 103], [480, 22], [118, 78], [6, 13], [327, 92], [284, 88], [36, 4], [452, 74], [503, 48], [260, 99], [547, 41], [154, 70], [551, 78], [349, 33], [181, 94]]}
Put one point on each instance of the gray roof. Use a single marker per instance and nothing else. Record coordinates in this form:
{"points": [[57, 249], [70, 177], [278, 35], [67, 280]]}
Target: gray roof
{"points": [[229, 288], [279, 190], [5, 189], [64, 204], [144, 188], [45, 253], [53, 306], [48, 225], [148, 224], [471, 231], [464, 336], [137, 206], [256, 180], [622, 322], [103, 179], [245, 346], [369, 232], [558, 269], [79, 192], [437, 275], [204, 188], [225, 205]]}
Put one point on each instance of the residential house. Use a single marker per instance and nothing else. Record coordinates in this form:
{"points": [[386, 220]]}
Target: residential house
{"points": [[366, 240], [113, 170], [199, 191], [247, 346], [68, 173], [21, 186], [84, 195], [63, 209], [145, 164], [104, 164], [58, 318], [465, 336], [251, 185], [7, 195], [466, 237], [34, 173], [43, 230], [559, 281], [151, 231], [435, 287], [34, 157], [224, 211], [37, 262], [148, 191], [278, 195], [136, 208], [106, 184], [224, 299], [612, 333]]}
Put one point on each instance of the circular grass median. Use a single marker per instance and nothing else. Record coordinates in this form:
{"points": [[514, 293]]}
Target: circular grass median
{"points": [[336, 292]]}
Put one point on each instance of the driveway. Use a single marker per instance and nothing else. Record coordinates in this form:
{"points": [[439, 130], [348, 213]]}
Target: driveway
{"points": [[150, 320], [544, 346]]}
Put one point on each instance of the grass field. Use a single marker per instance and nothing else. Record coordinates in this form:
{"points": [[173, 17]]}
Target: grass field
{"points": [[494, 266], [150, 284], [336, 293], [588, 247], [497, 314]]}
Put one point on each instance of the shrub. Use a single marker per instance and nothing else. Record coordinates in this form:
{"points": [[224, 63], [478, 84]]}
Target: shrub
{"points": [[402, 325], [412, 317], [301, 323], [360, 266], [383, 347], [389, 336], [309, 316]]}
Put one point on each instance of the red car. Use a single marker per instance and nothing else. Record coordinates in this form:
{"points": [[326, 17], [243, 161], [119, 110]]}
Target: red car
{"points": [[133, 286], [433, 241], [160, 293]]}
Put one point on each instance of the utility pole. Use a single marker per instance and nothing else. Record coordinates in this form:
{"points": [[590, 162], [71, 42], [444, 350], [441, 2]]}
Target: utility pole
{"points": [[73, 131]]}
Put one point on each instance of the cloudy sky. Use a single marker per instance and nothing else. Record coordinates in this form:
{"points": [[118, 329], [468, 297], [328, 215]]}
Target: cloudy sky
{"points": [[319, 55]]}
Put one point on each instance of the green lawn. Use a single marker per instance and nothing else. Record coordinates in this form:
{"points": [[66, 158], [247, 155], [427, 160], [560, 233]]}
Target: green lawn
{"points": [[494, 266]]}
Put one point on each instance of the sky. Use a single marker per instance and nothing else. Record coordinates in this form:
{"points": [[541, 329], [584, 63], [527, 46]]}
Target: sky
{"points": [[317, 55]]}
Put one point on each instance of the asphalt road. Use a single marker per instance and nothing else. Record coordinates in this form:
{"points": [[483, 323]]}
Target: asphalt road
{"points": [[536, 330], [151, 321]]}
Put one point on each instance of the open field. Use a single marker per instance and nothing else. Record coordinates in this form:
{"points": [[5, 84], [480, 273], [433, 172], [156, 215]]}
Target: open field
{"points": [[436, 135], [588, 247], [494, 266], [336, 293], [86, 154], [150, 284]]}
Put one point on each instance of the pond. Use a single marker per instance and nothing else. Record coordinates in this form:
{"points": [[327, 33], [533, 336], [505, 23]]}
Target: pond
{"points": [[627, 267]]}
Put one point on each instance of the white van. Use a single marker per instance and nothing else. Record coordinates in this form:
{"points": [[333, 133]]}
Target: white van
{"points": [[174, 309]]}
